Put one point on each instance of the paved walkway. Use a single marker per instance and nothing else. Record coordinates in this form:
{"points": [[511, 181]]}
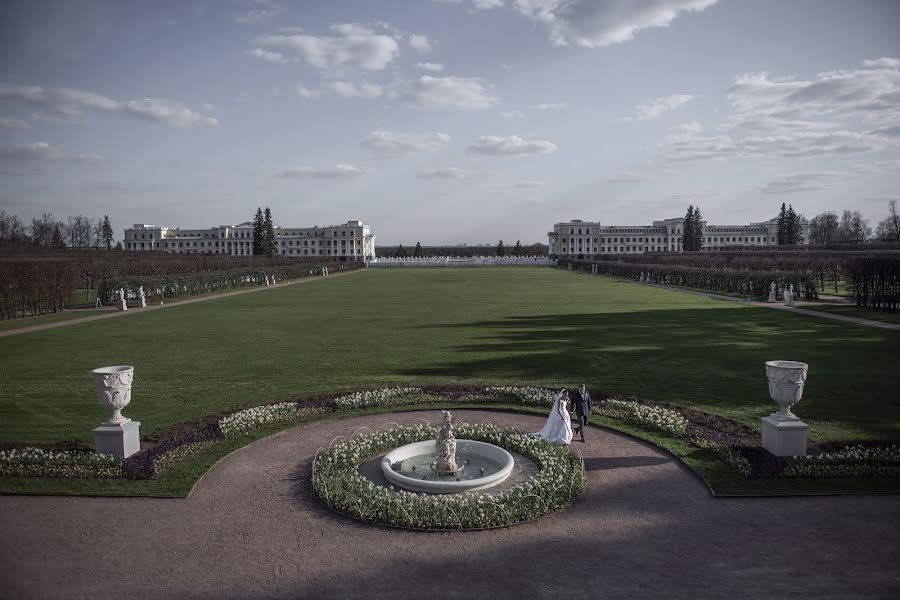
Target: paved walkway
{"points": [[646, 526], [113, 312]]}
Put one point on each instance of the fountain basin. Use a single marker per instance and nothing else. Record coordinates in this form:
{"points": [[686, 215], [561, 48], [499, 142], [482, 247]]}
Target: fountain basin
{"points": [[471, 455]]}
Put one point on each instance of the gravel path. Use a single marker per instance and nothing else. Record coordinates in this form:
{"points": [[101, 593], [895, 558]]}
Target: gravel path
{"points": [[646, 526]]}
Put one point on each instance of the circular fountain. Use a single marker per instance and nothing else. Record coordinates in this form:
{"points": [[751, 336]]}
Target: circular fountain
{"points": [[447, 465]]}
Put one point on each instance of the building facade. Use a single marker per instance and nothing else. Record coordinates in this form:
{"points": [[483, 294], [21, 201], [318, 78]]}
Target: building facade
{"points": [[581, 239], [353, 240]]}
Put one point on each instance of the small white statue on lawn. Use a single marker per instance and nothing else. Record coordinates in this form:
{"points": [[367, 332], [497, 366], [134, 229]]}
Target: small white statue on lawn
{"points": [[122, 305], [772, 293], [142, 297]]}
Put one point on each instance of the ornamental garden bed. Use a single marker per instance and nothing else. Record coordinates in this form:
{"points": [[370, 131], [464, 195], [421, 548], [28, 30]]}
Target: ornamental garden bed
{"points": [[725, 452]]}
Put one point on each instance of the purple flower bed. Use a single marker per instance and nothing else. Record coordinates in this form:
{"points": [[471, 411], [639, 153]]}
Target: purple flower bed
{"points": [[140, 465]]}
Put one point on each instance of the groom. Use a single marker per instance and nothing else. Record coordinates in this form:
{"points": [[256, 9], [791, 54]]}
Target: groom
{"points": [[582, 401]]}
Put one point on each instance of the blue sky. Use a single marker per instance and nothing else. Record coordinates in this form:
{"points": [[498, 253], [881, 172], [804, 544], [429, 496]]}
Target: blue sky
{"points": [[448, 121]]}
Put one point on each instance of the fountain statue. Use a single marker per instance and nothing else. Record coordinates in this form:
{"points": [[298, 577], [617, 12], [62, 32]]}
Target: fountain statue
{"points": [[445, 448]]}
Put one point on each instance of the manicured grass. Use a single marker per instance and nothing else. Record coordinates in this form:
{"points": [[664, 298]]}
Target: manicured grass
{"points": [[852, 310], [44, 319], [495, 326]]}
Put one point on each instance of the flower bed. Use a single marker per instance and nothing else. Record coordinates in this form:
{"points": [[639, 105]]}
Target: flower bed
{"points": [[260, 416], [337, 482], [650, 417], [852, 461], [529, 396], [34, 462], [384, 397]]}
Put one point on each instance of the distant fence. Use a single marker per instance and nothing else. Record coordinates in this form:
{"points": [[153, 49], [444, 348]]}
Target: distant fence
{"points": [[463, 261]]}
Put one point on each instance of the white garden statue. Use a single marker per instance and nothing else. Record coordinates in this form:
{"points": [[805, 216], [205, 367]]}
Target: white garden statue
{"points": [[121, 301], [772, 293], [142, 297]]}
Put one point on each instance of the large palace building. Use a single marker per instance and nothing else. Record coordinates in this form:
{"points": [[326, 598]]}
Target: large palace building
{"points": [[351, 241], [580, 239]]}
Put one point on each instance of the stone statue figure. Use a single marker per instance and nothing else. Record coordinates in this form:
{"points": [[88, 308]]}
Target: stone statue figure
{"points": [[142, 296], [122, 305], [445, 448], [772, 293]]}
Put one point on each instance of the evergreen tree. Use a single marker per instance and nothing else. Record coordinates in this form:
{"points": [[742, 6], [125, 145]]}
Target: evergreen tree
{"points": [[501, 251], [697, 231], [517, 251], [687, 230], [107, 232], [791, 223], [781, 228], [258, 233], [418, 251], [401, 253], [268, 234], [58, 241]]}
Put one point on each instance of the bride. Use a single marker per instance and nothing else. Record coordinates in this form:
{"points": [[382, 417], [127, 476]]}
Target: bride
{"points": [[558, 428]]}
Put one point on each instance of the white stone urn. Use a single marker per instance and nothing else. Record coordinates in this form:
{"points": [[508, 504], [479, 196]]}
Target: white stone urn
{"points": [[786, 381], [114, 390]]}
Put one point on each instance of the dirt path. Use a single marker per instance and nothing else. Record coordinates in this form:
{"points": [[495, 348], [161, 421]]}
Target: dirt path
{"points": [[131, 311], [645, 527]]}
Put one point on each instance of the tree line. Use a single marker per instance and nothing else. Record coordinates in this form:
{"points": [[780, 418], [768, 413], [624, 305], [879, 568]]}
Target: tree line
{"points": [[465, 251], [76, 233], [852, 227]]}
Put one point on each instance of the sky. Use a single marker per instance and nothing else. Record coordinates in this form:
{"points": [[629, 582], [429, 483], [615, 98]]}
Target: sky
{"points": [[448, 121]]}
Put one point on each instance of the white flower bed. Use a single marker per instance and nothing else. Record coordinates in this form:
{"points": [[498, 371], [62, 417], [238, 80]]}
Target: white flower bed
{"points": [[851, 461], [651, 417], [382, 397], [337, 482], [260, 416], [531, 396], [34, 462]]}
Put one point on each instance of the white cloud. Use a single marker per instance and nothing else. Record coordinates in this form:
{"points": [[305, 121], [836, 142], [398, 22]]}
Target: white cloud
{"points": [[660, 106], [420, 43], [512, 115], [430, 67], [13, 123], [339, 171], [799, 182], [74, 104], [529, 183], [304, 92], [549, 106], [461, 93], [627, 178], [353, 46], [257, 11], [593, 24], [884, 62], [447, 173], [491, 145], [41, 152], [266, 55], [487, 4], [384, 144], [347, 89]]}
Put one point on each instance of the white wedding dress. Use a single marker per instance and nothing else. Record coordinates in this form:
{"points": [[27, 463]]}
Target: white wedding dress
{"points": [[558, 428]]}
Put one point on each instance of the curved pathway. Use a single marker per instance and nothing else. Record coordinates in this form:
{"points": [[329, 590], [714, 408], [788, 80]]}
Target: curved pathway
{"points": [[646, 526]]}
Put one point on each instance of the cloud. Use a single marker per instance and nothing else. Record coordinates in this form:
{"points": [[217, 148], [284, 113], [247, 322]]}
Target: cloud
{"points": [[799, 182], [352, 46], [72, 104], [385, 144], [447, 173], [42, 152], [347, 89], [266, 55], [116, 187], [835, 113], [528, 183], [487, 4], [257, 11], [549, 106], [430, 67], [511, 115], [305, 92], [491, 145], [658, 107], [627, 178], [13, 123], [420, 43], [592, 24], [339, 171], [445, 92]]}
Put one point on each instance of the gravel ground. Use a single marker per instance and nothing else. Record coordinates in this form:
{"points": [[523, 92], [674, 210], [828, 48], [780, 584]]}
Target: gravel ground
{"points": [[646, 526]]}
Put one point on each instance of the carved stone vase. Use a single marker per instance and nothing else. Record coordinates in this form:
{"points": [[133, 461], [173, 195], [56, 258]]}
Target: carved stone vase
{"points": [[786, 381], [114, 390]]}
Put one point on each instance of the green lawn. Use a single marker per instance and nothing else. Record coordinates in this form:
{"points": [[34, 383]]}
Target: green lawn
{"points": [[44, 319], [852, 310], [386, 327]]}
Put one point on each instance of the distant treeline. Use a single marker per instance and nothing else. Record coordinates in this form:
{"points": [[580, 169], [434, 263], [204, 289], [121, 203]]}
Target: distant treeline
{"points": [[461, 251]]}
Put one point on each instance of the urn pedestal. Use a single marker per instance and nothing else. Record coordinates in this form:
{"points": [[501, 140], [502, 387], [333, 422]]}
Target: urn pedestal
{"points": [[118, 435], [783, 433]]}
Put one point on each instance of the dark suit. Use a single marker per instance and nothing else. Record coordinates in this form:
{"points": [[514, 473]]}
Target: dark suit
{"points": [[582, 402]]}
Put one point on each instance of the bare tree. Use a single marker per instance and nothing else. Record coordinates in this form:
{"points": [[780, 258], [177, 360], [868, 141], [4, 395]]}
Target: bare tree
{"points": [[889, 228], [823, 229], [12, 230], [79, 231]]}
